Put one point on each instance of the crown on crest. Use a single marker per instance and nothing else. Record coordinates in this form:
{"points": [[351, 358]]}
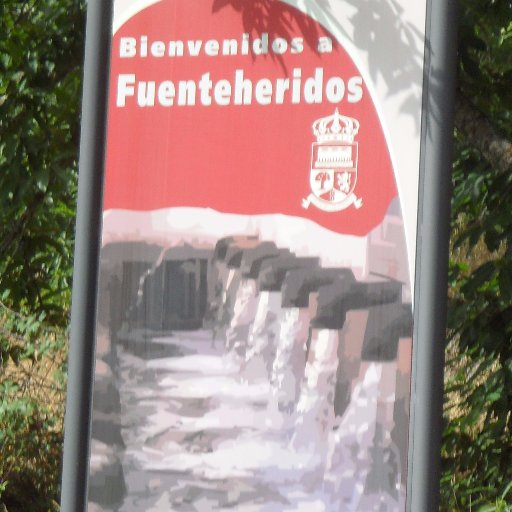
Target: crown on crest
{"points": [[336, 128]]}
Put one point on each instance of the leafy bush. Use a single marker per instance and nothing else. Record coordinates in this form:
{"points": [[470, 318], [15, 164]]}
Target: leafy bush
{"points": [[41, 54], [477, 444], [32, 389]]}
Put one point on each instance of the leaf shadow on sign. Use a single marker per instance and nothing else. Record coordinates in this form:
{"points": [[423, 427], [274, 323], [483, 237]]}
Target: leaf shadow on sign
{"points": [[381, 30], [392, 44], [272, 17]]}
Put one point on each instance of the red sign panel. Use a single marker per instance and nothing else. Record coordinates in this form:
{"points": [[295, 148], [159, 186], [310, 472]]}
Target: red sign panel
{"points": [[226, 110]]}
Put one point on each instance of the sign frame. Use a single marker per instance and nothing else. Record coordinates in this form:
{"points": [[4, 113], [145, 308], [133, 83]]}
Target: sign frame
{"points": [[431, 257]]}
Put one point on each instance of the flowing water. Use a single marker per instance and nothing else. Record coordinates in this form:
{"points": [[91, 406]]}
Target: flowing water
{"points": [[198, 438], [201, 433], [364, 472], [288, 366]]}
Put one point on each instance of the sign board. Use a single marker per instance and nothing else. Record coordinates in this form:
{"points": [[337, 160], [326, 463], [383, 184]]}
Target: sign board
{"points": [[257, 318]]}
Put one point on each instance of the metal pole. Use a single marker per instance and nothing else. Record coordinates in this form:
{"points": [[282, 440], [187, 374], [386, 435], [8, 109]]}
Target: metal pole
{"points": [[432, 260], [85, 273]]}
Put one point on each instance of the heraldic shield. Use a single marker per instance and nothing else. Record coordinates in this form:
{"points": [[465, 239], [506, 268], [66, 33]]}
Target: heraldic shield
{"points": [[333, 175]]}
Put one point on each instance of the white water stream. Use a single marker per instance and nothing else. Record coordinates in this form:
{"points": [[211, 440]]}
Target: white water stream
{"points": [[199, 437]]}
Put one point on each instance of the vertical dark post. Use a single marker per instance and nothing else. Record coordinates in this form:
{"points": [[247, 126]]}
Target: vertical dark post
{"points": [[85, 274], [432, 256]]}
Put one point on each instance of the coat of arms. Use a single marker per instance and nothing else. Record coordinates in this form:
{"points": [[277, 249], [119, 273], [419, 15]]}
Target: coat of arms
{"points": [[334, 155]]}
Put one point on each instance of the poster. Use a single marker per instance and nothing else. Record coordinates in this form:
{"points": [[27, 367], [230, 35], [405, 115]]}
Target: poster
{"points": [[254, 324]]}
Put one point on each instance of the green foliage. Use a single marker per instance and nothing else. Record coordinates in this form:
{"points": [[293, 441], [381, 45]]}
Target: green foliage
{"points": [[40, 77], [500, 505], [40, 87], [485, 56], [32, 386], [477, 446]]}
